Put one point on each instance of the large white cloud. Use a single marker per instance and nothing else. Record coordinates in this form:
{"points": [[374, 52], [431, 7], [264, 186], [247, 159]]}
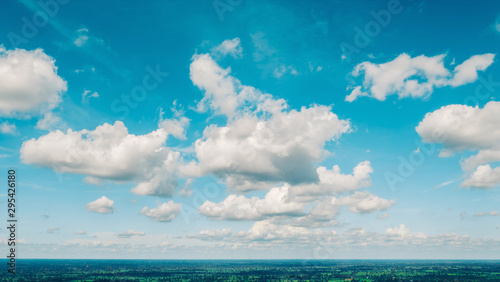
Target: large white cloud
{"points": [[459, 128], [262, 143], [462, 127], [414, 77], [250, 153], [29, 83], [108, 153], [101, 205], [165, 212]]}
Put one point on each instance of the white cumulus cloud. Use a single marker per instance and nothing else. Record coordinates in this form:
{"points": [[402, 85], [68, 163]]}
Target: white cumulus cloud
{"points": [[163, 213], [414, 77], [8, 128], [250, 153], [365, 202], [262, 143], [332, 182], [29, 83], [108, 153], [101, 205], [464, 128]]}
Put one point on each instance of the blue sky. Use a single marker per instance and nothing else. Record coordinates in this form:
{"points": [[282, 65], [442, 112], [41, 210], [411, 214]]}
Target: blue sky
{"points": [[262, 129]]}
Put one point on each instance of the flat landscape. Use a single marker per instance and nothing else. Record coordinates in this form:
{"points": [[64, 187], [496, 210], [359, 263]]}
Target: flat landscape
{"points": [[255, 270], [249, 140]]}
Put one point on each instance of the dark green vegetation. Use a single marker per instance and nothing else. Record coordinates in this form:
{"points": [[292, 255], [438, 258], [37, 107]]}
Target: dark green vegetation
{"points": [[252, 270]]}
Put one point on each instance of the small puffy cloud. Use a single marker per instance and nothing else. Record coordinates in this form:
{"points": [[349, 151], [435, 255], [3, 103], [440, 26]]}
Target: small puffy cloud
{"points": [[87, 94], [229, 47], [401, 231], [365, 202], [130, 233], [491, 213], [483, 177], [276, 202], [8, 128], [29, 83], [282, 70], [102, 205], [163, 213], [109, 153], [81, 232], [459, 128], [414, 77]]}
